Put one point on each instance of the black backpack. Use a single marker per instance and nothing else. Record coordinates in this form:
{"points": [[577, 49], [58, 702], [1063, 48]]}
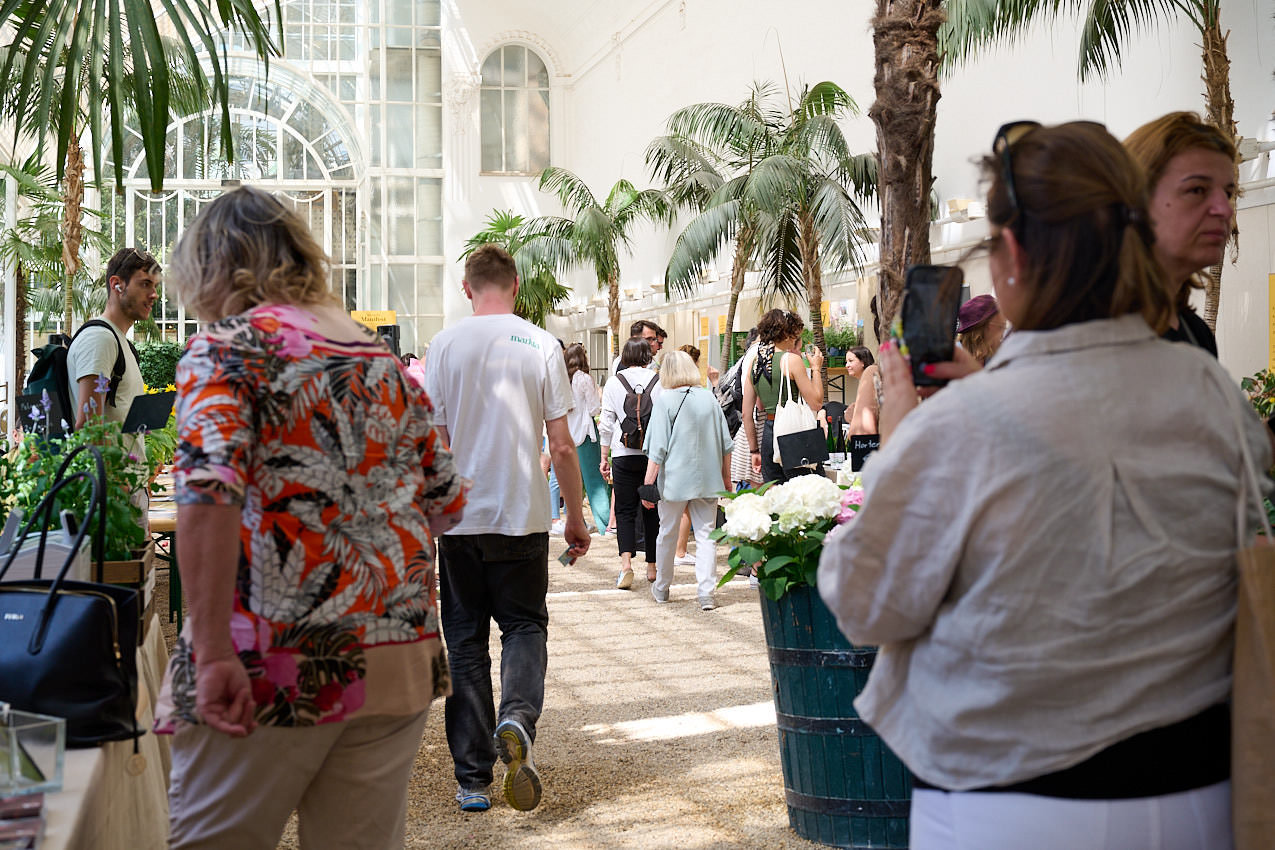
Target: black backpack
{"points": [[50, 374], [637, 415], [730, 395]]}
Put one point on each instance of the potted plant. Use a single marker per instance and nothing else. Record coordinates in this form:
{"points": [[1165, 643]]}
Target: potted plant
{"points": [[841, 336], [843, 785], [1260, 388], [34, 457]]}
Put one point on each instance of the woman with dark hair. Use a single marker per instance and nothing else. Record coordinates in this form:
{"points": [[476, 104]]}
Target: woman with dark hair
{"points": [[1190, 170], [862, 414], [779, 335], [580, 422], [626, 465], [1056, 628], [311, 653]]}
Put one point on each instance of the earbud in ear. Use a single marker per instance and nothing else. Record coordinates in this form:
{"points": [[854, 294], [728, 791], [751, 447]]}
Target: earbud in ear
{"points": [[119, 288]]}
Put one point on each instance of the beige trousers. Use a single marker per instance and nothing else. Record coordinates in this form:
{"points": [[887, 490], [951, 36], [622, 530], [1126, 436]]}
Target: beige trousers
{"points": [[347, 781]]}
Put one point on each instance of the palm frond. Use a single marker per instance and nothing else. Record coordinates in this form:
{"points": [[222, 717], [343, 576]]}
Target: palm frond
{"points": [[781, 273], [972, 25], [1108, 25], [699, 244], [722, 127], [838, 221], [825, 98], [776, 183], [570, 189]]}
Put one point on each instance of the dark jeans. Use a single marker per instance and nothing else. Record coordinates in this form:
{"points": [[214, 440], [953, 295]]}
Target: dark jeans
{"points": [[489, 577], [627, 472], [771, 471]]}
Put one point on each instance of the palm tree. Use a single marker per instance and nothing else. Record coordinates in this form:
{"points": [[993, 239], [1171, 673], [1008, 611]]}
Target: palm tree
{"points": [[790, 204], [35, 247], [51, 36], [593, 234], [973, 24], [538, 290], [188, 93], [905, 43], [735, 138]]}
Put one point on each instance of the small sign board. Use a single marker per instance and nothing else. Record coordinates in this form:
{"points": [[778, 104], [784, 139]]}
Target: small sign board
{"points": [[862, 445], [372, 319]]}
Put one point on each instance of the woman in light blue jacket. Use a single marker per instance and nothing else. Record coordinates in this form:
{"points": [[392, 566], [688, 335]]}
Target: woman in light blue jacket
{"points": [[688, 448]]}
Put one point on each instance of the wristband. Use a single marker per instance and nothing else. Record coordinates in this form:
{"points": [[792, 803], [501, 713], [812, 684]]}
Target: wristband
{"points": [[754, 451]]}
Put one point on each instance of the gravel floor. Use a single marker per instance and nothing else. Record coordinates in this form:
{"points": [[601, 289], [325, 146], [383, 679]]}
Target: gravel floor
{"points": [[658, 729]]}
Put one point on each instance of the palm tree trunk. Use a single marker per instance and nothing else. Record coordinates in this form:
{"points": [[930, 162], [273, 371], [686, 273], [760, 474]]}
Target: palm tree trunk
{"points": [[20, 331], [812, 274], [905, 38], [71, 223], [744, 241], [1221, 113], [613, 313]]}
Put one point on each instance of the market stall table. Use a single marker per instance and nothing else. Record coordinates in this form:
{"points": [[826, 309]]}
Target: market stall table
{"points": [[106, 802]]}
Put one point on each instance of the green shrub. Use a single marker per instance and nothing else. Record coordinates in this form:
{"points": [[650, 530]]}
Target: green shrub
{"points": [[158, 361]]}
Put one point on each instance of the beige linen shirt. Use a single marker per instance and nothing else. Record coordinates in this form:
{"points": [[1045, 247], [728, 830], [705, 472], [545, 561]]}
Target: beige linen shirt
{"points": [[1046, 555]]}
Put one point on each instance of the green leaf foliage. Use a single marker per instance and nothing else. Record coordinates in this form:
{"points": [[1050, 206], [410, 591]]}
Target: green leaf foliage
{"points": [[539, 291], [158, 362], [54, 40]]}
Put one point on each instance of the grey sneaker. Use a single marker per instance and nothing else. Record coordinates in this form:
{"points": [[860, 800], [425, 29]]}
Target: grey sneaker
{"points": [[658, 596], [522, 784], [473, 800], [707, 603]]}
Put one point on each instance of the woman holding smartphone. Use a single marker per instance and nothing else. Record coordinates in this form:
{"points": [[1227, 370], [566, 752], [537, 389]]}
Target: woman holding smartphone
{"points": [[1055, 649], [779, 336]]}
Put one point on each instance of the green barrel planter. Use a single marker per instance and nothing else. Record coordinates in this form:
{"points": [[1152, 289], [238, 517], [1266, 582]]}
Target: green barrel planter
{"points": [[843, 785]]}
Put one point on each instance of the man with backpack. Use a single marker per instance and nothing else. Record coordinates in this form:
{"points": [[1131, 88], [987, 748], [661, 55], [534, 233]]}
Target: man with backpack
{"points": [[102, 365]]}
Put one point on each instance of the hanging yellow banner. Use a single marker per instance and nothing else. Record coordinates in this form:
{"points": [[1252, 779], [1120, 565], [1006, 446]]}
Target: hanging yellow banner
{"points": [[721, 324], [825, 312], [703, 325]]}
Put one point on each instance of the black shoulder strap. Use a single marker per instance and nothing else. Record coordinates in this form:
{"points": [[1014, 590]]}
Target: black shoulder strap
{"points": [[626, 384], [117, 372]]}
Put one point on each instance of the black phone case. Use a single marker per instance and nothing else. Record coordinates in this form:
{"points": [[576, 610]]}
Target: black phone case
{"points": [[931, 301]]}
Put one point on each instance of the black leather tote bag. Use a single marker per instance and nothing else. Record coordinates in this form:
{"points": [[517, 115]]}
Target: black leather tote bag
{"points": [[69, 648]]}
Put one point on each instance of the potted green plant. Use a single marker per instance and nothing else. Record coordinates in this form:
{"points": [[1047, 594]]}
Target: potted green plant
{"points": [[844, 786], [32, 461], [841, 336], [1260, 388]]}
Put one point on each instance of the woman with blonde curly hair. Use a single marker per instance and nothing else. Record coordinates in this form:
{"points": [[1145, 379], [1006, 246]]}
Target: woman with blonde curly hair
{"points": [[309, 478]]}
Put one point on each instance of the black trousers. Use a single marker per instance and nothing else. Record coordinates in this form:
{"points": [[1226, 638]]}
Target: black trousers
{"points": [[627, 473]]}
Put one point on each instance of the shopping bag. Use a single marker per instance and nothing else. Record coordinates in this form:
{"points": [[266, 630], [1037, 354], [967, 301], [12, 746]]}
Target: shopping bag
{"points": [[1253, 689], [1253, 701], [794, 418]]}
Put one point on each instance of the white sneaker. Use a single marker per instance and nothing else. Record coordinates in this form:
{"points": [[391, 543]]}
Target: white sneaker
{"points": [[687, 560], [557, 527], [753, 583]]}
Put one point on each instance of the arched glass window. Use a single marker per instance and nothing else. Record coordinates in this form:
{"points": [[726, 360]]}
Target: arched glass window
{"points": [[515, 111]]}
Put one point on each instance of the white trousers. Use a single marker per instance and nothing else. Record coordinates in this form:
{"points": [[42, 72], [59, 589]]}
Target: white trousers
{"points": [[347, 781], [703, 520], [1192, 820]]}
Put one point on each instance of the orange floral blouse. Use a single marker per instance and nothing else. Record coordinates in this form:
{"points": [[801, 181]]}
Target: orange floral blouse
{"points": [[330, 451]]}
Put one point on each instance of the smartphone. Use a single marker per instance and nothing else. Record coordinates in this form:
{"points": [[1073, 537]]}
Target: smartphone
{"points": [[931, 300], [566, 558]]}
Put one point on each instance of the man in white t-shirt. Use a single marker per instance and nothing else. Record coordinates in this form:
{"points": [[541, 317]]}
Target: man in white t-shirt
{"points": [[495, 381], [132, 277]]}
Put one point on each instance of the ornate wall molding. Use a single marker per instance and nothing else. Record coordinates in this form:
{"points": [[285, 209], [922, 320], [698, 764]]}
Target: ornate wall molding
{"points": [[460, 95], [528, 39]]}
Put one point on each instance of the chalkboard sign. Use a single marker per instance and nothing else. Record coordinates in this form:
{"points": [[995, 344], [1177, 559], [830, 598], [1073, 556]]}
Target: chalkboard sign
{"points": [[862, 445]]}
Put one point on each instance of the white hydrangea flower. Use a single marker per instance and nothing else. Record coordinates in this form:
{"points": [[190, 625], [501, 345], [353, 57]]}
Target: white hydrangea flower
{"points": [[804, 501], [744, 501], [749, 521]]}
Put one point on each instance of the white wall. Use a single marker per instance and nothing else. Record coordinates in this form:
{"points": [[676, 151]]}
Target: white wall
{"points": [[621, 67]]}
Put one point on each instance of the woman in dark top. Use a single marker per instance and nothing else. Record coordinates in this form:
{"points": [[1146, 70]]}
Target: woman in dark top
{"points": [[779, 332], [1190, 169]]}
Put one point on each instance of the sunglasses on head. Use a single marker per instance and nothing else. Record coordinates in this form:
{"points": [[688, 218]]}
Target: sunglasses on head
{"points": [[1006, 137]]}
